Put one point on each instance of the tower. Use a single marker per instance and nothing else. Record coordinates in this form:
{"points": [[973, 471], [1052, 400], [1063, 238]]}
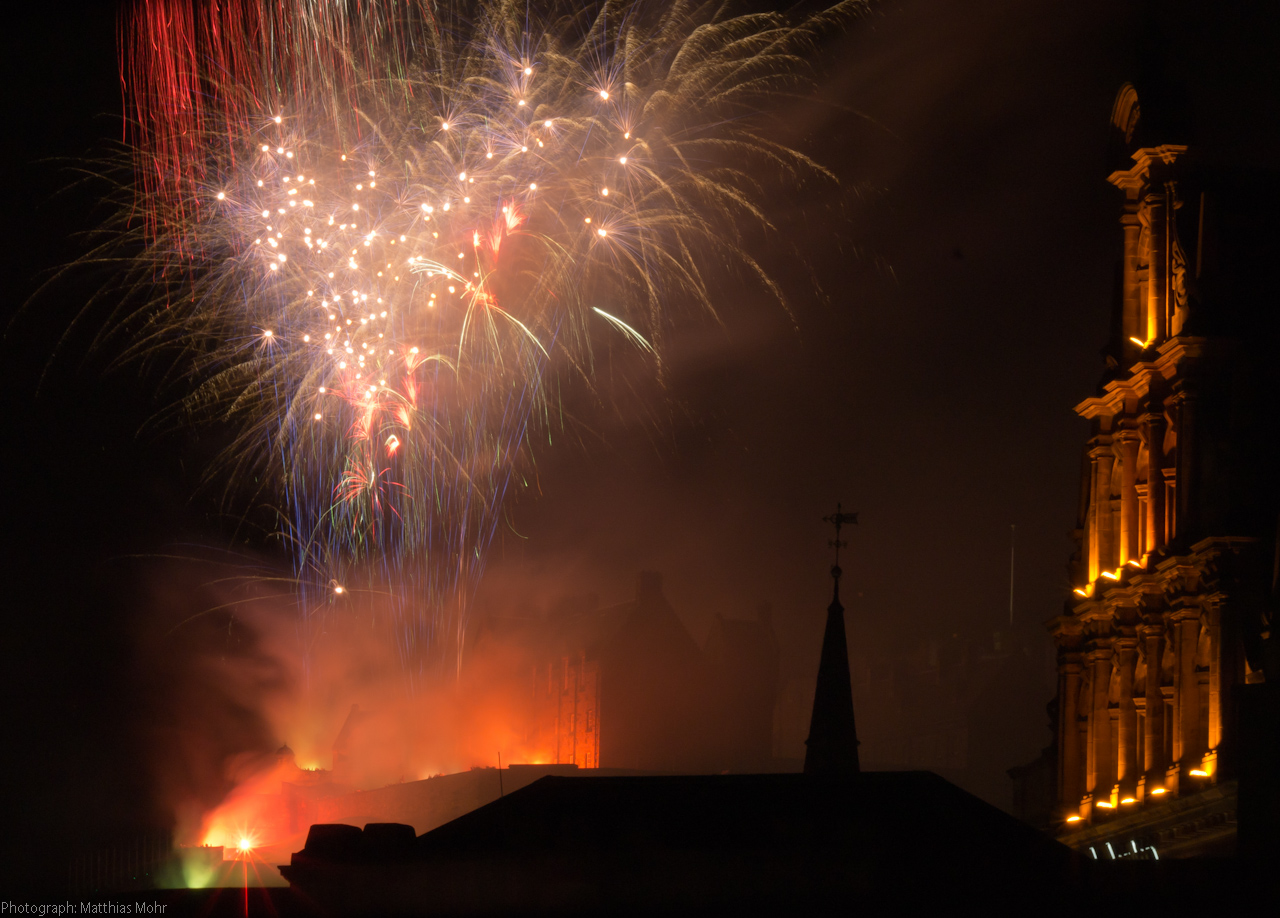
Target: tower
{"points": [[1172, 591], [832, 746]]}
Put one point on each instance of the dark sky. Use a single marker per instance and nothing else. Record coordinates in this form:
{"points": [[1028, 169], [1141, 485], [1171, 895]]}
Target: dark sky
{"points": [[969, 294]]}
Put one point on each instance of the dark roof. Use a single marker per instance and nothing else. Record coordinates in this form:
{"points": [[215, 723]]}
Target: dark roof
{"points": [[753, 842]]}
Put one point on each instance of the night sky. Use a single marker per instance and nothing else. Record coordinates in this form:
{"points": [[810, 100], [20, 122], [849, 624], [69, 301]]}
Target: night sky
{"points": [[969, 291]]}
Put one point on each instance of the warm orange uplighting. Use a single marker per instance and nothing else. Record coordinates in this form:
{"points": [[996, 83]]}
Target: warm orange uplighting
{"points": [[1138, 341], [1133, 562], [1106, 805], [1128, 800], [1198, 773], [1073, 819], [1111, 575], [1080, 592], [1157, 791]]}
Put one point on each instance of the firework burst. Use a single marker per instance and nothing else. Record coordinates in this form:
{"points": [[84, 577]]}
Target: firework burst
{"points": [[375, 231]]}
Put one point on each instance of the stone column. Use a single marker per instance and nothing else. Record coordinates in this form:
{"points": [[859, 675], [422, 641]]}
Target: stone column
{"points": [[1153, 434], [1128, 765], [1102, 769], [1070, 764], [1213, 624], [1100, 529], [1188, 744], [1134, 324], [1091, 520], [1158, 267], [1127, 450], [1152, 637], [1188, 490]]}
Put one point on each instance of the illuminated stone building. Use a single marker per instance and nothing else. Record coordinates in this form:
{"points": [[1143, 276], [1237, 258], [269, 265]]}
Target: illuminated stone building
{"points": [[1173, 574]]}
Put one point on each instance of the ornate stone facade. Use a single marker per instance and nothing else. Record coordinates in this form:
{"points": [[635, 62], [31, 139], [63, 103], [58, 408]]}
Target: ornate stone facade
{"points": [[1167, 607]]}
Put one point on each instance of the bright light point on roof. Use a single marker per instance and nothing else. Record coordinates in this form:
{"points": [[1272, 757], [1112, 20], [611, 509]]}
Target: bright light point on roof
{"points": [[520, 103], [528, 71], [289, 155], [489, 155], [344, 157], [587, 220], [265, 148], [372, 173], [306, 337], [623, 160], [278, 119], [533, 186], [322, 390], [1073, 819], [222, 195], [462, 176], [604, 94], [602, 232], [444, 125], [267, 333], [355, 206], [605, 192], [446, 207], [339, 589], [317, 416], [546, 124], [626, 136]]}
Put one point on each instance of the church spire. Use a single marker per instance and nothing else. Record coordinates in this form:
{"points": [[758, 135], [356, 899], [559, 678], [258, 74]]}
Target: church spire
{"points": [[832, 746]]}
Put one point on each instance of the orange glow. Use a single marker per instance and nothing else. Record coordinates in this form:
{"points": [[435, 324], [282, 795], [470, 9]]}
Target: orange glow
{"points": [[1111, 575], [1081, 592], [1073, 819], [1157, 791], [1128, 800], [1106, 805], [1199, 773]]}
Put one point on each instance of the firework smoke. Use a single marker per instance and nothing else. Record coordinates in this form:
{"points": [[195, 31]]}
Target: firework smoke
{"points": [[377, 238]]}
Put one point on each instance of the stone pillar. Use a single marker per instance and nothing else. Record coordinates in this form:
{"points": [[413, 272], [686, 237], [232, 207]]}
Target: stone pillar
{"points": [[1070, 761], [1091, 519], [1188, 744], [1152, 637], [1213, 624], [1100, 529], [1102, 769], [1135, 325], [1127, 450], [1158, 267], [1128, 765], [1153, 434], [1188, 470]]}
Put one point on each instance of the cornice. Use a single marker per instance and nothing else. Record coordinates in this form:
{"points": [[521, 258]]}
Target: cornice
{"points": [[1137, 385]]}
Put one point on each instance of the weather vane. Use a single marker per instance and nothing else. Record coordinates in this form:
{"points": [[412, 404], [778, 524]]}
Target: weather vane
{"points": [[838, 519]]}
